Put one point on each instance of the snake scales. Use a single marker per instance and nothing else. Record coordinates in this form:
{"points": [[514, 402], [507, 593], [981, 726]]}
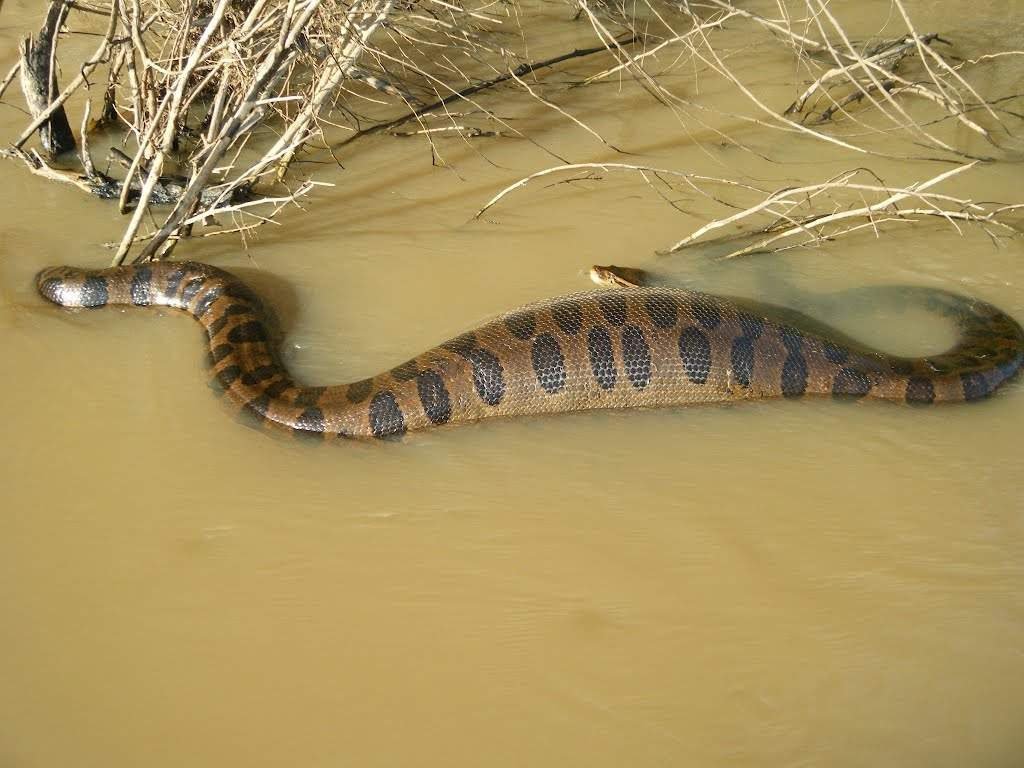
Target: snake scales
{"points": [[610, 349]]}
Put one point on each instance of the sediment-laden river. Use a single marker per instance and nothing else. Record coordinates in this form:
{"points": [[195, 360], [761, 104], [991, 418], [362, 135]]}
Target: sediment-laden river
{"points": [[786, 583]]}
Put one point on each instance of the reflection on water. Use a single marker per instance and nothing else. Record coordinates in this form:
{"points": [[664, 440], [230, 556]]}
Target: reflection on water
{"points": [[775, 584]]}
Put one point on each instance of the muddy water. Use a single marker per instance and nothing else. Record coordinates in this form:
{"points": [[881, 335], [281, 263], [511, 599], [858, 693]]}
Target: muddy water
{"points": [[792, 583]]}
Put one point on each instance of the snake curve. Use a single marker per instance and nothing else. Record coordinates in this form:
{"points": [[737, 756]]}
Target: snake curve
{"points": [[619, 348]]}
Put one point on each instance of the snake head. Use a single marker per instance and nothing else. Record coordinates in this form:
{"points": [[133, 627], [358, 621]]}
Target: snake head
{"points": [[72, 287]]}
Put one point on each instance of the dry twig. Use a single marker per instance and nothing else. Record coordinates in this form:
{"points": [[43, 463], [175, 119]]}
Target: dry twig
{"points": [[797, 211]]}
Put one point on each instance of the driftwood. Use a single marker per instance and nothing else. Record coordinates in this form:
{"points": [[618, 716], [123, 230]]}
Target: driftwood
{"points": [[39, 81]]}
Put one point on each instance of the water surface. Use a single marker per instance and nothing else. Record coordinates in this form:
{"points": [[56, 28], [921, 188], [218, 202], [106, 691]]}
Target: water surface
{"points": [[794, 583]]}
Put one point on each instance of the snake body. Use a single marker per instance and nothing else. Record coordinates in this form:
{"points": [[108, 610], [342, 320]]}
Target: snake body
{"points": [[610, 349]]}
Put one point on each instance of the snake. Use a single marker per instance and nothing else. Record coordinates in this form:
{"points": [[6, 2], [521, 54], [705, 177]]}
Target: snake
{"points": [[617, 348]]}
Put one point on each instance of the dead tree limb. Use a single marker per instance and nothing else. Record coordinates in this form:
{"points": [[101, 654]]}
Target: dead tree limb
{"points": [[56, 103], [39, 81]]}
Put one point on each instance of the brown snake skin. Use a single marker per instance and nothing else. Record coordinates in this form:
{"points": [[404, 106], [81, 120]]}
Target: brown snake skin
{"points": [[608, 349]]}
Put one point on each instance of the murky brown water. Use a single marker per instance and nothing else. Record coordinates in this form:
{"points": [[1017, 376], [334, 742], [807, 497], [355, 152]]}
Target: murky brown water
{"points": [[779, 584]]}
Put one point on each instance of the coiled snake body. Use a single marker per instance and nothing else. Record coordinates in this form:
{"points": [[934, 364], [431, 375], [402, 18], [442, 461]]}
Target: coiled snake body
{"points": [[609, 349]]}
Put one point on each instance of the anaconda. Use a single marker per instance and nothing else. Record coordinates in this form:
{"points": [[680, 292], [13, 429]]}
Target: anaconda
{"points": [[620, 348]]}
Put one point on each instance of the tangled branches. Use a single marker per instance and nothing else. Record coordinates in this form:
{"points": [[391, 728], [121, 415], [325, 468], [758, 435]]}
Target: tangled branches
{"points": [[802, 215], [857, 88], [188, 87], [213, 100]]}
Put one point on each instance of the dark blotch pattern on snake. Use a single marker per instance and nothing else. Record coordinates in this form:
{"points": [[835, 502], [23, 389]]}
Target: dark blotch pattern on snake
{"points": [[622, 348]]}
